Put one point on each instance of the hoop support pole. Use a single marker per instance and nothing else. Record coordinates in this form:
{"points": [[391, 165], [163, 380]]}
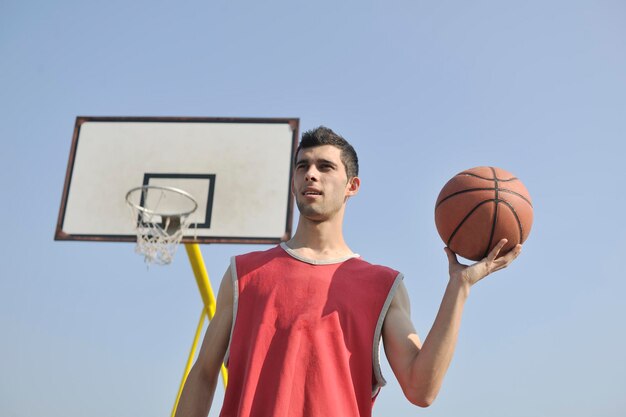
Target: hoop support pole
{"points": [[208, 299], [206, 291], [202, 277], [190, 359]]}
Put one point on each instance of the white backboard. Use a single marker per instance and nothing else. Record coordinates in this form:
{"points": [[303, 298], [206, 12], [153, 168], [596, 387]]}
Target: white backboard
{"points": [[238, 170]]}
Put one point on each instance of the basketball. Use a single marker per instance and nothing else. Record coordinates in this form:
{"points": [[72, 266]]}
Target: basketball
{"points": [[479, 207]]}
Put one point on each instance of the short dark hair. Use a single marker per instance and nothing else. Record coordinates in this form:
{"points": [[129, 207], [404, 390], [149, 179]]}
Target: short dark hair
{"points": [[325, 136]]}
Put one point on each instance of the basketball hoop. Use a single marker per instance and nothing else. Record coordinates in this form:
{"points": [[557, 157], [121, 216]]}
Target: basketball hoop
{"points": [[161, 218]]}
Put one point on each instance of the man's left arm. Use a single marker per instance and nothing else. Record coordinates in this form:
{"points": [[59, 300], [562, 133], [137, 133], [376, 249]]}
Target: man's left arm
{"points": [[420, 369]]}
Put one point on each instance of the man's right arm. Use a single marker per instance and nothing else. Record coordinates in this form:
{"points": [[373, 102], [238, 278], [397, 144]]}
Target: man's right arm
{"points": [[197, 395]]}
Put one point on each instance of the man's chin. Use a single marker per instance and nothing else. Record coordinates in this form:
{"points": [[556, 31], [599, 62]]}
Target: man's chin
{"points": [[311, 214], [314, 217]]}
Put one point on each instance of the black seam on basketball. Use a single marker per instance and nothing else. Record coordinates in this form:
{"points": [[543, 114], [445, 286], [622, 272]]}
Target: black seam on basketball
{"points": [[519, 223], [495, 216], [465, 218], [505, 190], [475, 176], [495, 213], [495, 178], [463, 192], [488, 179], [493, 229]]}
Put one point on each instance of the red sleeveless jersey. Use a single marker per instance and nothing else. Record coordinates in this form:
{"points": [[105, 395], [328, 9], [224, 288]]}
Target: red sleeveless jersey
{"points": [[306, 334]]}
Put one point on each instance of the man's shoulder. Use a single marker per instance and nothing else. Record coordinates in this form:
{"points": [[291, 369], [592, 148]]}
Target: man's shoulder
{"points": [[256, 257], [380, 269], [271, 252]]}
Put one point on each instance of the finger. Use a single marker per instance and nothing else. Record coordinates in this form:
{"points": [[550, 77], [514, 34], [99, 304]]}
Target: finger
{"points": [[452, 260], [506, 259], [496, 250], [512, 254]]}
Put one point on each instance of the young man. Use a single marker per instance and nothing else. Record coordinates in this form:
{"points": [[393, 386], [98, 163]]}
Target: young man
{"points": [[299, 325]]}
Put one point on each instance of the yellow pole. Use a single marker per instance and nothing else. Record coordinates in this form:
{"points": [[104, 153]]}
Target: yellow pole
{"points": [[190, 359], [208, 299], [202, 277], [204, 285]]}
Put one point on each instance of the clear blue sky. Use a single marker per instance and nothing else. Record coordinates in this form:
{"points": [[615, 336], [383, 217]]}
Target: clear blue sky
{"points": [[422, 89]]}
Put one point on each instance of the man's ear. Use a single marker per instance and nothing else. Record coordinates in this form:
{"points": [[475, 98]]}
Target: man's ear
{"points": [[352, 188]]}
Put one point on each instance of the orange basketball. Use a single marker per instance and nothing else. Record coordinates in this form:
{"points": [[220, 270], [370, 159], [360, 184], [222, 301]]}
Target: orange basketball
{"points": [[479, 207]]}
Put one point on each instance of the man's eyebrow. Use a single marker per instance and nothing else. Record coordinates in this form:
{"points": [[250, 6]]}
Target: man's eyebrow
{"points": [[306, 161], [326, 161]]}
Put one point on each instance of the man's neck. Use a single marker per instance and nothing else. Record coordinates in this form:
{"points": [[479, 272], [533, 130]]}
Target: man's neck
{"points": [[319, 240]]}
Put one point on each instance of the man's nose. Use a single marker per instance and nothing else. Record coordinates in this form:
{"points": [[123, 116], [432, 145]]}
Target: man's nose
{"points": [[311, 173]]}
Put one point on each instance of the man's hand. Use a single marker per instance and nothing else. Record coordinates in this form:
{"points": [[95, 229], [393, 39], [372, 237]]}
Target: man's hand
{"points": [[471, 274]]}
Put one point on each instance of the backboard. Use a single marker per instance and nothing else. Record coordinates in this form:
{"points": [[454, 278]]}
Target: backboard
{"points": [[237, 169]]}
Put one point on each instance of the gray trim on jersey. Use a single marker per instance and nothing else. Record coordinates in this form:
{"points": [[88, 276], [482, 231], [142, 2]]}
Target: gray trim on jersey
{"points": [[378, 375], [233, 277], [293, 254]]}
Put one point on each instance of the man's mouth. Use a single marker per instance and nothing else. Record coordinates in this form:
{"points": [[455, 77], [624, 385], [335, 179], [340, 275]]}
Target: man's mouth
{"points": [[312, 193]]}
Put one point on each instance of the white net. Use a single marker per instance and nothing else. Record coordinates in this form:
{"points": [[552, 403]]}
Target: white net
{"points": [[156, 244], [159, 232]]}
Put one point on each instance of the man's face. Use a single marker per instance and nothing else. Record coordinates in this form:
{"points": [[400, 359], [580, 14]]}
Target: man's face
{"points": [[320, 183]]}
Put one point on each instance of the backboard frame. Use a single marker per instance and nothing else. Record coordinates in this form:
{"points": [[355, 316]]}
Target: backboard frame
{"points": [[60, 234]]}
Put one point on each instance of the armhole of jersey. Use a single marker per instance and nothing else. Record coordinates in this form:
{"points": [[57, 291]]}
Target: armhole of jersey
{"points": [[378, 376], [235, 280]]}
